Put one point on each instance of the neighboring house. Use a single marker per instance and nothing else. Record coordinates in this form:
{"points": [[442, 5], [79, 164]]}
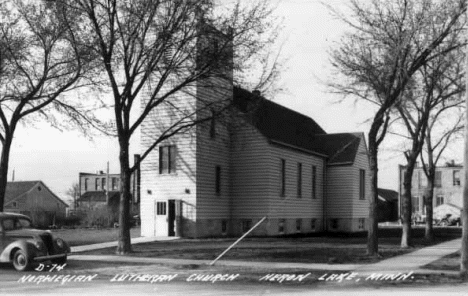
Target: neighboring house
{"points": [[269, 161], [99, 196], [387, 205], [36, 200], [448, 187], [96, 189]]}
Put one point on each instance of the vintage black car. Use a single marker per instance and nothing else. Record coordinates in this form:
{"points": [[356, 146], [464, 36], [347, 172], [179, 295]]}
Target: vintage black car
{"points": [[25, 246]]}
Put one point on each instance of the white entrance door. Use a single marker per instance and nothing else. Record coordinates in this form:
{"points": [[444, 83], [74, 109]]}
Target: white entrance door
{"points": [[161, 226]]}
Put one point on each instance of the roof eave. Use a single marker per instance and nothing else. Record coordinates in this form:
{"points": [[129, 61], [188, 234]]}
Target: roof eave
{"points": [[297, 148], [341, 163]]}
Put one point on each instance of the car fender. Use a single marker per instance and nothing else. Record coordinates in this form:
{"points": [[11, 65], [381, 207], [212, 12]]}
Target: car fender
{"points": [[24, 245]]}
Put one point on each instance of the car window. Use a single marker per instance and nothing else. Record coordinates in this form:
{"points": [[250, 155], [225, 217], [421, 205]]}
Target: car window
{"points": [[8, 224], [14, 224], [23, 223]]}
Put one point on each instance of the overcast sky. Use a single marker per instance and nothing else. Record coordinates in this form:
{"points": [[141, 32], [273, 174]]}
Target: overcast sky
{"points": [[55, 157]]}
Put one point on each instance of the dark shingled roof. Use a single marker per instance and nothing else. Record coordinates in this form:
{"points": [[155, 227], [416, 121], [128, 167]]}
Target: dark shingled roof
{"points": [[286, 126], [387, 194], [16, 189], [340, 148]]}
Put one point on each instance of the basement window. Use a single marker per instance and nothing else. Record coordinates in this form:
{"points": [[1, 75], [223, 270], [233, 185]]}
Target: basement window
{"points": [[313, 224], [362, 222], [298, 225], [246, 225], [334, 223], [281, 224]]}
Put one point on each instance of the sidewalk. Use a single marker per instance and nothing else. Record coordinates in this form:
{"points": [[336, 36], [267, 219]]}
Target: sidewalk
{"points": [[136, 240], [415, 260], [408, 262]]}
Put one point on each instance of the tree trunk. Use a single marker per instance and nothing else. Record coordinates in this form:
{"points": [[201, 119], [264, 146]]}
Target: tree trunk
{"points": [[372, 235], [407, 207], [429, 198], [124, 245], [4, 162]]}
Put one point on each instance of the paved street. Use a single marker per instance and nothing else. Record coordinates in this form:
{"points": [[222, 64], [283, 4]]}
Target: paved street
{"points": [[123, 275]]}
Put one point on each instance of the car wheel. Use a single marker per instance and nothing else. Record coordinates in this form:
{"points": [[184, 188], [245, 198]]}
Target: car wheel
{"points": [[60, 261], [21, 261]]}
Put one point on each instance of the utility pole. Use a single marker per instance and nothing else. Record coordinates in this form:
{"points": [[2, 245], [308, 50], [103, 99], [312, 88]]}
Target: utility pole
{"points": [[464, 218]]}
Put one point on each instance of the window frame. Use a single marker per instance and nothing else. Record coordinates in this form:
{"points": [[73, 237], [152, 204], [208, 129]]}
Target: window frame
{"points": [[161, 208], [334, 223], [212, 125], [218, 180], [299, 180], [362, 184], [314, 182], [313, 224], [114, 183], [298, 225], [415, 204], [361, 223], [224, 226], [439, 198], [246, 225], [456, 180], [281, 226], [438, 179], [283, 178], [167, 159]]}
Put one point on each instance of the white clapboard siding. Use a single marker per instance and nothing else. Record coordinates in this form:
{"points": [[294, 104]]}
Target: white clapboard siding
{"points": [[213, 151], [341, 191], [290, 206], [343, 187], [249, 174], [361, 207], [179, 185]]}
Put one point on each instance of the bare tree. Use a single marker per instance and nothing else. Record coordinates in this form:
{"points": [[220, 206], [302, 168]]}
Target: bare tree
{"points": [[156, 52], [73, 192], [435, 89], [378, 58], [435, 145], [41, 58]]}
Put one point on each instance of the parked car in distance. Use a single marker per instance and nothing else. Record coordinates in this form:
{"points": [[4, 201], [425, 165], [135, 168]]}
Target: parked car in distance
{"points": [[133, 221], [448, 220], [24, 246]]}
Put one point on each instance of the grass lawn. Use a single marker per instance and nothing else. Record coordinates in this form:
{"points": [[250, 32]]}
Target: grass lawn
{"points": [[450, 262], [87, 236], [312, 249]]}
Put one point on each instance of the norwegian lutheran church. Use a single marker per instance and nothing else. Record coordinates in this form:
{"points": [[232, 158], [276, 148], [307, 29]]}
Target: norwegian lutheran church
{"points": [[222, 178]]}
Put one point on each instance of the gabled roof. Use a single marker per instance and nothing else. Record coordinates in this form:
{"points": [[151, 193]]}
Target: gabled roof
{"points": [[16, 189], [285, 126], [387, 194], [340, 148]]}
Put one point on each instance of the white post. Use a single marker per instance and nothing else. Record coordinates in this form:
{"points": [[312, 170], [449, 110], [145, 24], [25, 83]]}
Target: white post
{"points": [[237, 241]]}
